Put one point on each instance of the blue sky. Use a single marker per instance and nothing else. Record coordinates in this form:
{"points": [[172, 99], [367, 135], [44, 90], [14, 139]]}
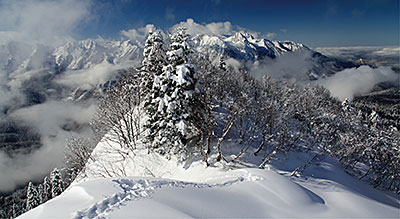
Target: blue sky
{"points": [[313, 22]]}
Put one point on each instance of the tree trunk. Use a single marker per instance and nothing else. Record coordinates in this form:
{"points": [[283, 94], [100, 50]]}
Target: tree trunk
{"points": [[224, 133], [260, 146]]}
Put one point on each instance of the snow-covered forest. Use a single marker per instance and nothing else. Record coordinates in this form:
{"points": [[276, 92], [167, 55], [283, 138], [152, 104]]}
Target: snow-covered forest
{"points": [[195, 109]]}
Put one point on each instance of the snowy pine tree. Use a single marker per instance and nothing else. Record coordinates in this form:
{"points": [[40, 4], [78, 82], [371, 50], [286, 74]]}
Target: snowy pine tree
{"points": [[153, 61], [14, 211], [40, 193], [57, 185], [174, 116], [152, 64], [32, 198], [47, 187]]}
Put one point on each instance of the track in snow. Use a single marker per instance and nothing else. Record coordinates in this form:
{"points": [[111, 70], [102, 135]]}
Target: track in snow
{"points": [[143, 188]]}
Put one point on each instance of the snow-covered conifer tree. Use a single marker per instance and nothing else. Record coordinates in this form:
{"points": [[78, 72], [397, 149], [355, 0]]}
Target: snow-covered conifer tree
{"points": [[174, 95], [32, 198], [153, 60], [40, 193], [152, 65], [57, 185], [46, 189]]}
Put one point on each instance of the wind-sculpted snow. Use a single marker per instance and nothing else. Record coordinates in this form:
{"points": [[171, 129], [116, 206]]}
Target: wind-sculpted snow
{"points": [[241, 193], [143, 188]]}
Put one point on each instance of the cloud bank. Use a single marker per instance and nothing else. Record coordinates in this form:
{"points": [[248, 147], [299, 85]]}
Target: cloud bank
{"points": [[138, 34], [294, 66], [50, 120], [44, 21], [356, 81], [213, 28], [218, 28], [90, 78], [29, 30]]}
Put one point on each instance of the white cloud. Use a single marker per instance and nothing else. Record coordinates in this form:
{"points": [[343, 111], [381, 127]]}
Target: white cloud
{"points": [[219, 29], [89, 78], [288, 65], [139, 34], [213, 28], [28, 25], [233, 63], [387, 51], [270, 35], [44, 21], [356, 81], [47, 119]]}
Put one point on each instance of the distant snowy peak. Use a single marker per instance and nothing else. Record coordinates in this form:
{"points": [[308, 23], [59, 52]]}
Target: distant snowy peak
{"points": [[17, 56], [87, 53], [73, 55], [83, 54], [244, 46], [20, 57]]}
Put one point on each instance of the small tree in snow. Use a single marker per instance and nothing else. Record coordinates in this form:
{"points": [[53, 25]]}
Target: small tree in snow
{"points": [[40, 192], [47, 188], [57, 185], [32, 197], [117, 119], [77, 153]]}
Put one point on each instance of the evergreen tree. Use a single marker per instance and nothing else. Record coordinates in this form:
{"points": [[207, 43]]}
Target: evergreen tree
{"points": [[153, 61], [14, 212], [152, 64], [173, 123], [40, 193], [57, 185], [47, 188], [32, 198]]}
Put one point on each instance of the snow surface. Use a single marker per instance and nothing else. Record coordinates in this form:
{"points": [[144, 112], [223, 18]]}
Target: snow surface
{"points": [[149, 185]]}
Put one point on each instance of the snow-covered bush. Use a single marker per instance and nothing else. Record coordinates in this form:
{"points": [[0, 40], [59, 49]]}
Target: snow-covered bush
{"points": [[117, 118]]}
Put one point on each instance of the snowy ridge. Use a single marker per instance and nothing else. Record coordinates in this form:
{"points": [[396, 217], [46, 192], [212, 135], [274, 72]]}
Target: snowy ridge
{"points": [[251, 193], [86, 53], [75, 55], [244, 46], [144, 188], [140, 185]]}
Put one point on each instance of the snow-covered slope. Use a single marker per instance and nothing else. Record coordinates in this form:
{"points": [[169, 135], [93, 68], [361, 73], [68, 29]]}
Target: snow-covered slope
{"points": [[148, 185], [245, 193]]}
